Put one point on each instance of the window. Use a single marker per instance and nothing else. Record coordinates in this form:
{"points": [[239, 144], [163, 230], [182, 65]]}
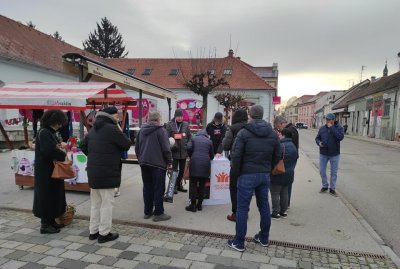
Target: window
{"points": [[173, 72], [212, 71], [147, 72], [131, 71], [386, 108], [227, 72]]}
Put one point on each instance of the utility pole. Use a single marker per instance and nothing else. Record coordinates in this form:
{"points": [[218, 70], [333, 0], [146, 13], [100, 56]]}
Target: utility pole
{"points": [[362, 70], [350, 82]]}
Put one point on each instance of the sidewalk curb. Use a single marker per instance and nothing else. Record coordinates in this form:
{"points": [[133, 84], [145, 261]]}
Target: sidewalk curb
{"points": [[386, 249]]}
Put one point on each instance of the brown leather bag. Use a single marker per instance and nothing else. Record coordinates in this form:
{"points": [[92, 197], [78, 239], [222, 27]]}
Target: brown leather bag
{"points": [[63, 170], [280, 166]]}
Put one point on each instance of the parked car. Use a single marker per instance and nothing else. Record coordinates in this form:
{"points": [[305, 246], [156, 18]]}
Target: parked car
{"points": [[301, 125]]}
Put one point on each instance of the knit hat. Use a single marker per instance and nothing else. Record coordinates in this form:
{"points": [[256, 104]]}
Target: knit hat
{"points": [[239, 115], [330, 116], [256, 112], [178, 113], [218, 116], [110, 110]]}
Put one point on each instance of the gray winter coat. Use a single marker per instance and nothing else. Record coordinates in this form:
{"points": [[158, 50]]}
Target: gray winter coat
{"points": [[103, 146], [179, 150], [152, 146], [201, 153]]}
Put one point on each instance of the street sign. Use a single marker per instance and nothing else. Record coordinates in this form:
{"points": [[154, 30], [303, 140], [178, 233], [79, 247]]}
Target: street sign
{"points": [[276, 100]]}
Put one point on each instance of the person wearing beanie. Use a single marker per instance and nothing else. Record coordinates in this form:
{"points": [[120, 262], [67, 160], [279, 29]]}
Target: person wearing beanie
{"points": [[153, 150], [103, 146], [239, 120], [180, 131], [328, 139], [216, 130], [255, 152]]}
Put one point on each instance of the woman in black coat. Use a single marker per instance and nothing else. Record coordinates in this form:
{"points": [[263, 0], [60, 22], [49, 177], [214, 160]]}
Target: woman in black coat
{"points": [[49, 194], [200, 150]]}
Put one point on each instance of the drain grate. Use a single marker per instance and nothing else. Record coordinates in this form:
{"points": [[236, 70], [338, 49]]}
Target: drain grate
{"points": [[229, 236]]}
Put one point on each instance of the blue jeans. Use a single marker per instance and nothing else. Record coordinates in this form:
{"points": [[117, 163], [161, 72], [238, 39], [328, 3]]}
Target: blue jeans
{"points": [[323, 162], [247, 185], [153, 189]]}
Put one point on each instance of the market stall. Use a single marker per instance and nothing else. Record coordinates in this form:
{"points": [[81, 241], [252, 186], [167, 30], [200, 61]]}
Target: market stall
{"points": [[74, 96]]}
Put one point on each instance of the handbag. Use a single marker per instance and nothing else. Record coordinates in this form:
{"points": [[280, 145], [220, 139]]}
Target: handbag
{"points": [[280, 166], [63, 170], [186, 171]]}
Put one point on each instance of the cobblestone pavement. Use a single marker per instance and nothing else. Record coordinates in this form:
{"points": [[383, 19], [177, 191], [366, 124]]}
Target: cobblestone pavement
{"points": [[22, 246]]}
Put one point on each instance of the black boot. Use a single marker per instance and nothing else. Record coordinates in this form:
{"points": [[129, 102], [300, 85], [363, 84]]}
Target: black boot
{"points": [[200, 205], [107, 238], [192, 206], [48, 229]]}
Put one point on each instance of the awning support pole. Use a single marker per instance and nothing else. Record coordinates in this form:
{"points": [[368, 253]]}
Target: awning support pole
{"points": [[82, 119], [4, 133], [140, 108], [169, 108]]}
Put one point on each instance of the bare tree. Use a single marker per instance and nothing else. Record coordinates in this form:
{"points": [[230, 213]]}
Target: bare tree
{"points": [[58, 36], [230, 101], [203, 83]]}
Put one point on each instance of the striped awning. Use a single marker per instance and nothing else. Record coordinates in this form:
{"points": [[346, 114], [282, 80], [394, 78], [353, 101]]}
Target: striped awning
{"points": [[67, 96]]}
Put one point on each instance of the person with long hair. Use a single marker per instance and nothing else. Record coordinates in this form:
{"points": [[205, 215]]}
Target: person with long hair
{"points": [[49, 195]]}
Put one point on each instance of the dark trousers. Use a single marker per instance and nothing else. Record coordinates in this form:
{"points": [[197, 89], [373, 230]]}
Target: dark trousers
{"points": [[153, 189], [196, 189], [233, 190], [181, 164], [289, 193]]}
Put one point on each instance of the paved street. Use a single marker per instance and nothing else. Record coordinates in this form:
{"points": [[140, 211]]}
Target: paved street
{"points": [[321, 231], [369, 179], [21, 246]]}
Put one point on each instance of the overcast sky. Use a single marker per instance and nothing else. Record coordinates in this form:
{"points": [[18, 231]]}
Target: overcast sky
{"points": [[319, 45]]}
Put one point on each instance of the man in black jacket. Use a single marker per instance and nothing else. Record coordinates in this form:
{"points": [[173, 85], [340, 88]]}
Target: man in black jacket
{"points": [[281, 123], [180, 132], [255, 151], [103, 146], [216, 130], [154, 154]]}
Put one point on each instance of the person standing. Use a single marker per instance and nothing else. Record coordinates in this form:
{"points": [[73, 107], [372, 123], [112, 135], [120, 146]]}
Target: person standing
{"points": [[239, 120], [154, 154], [216, 130], [328, 139], [255, 151], [103, 146], [280, 183], [280, 123], [201, 153], [180, 131], [49, 195]]}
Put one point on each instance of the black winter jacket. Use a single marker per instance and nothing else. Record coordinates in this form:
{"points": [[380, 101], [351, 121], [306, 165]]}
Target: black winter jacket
{"points": [[256, 149], [216, 133], [49, 194], [179, 150], [103, 146], [152, 146], [201, 153]]}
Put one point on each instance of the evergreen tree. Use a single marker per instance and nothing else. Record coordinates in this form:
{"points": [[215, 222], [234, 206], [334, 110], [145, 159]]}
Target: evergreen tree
{"points": [[58, 36], [105, 41]]}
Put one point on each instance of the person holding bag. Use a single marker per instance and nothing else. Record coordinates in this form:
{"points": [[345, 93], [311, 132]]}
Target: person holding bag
{"points": [[281, 182], [49, 200]]}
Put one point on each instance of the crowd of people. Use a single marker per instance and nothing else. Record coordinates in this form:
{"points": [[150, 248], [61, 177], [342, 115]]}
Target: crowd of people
{"points": [[254, 147]]}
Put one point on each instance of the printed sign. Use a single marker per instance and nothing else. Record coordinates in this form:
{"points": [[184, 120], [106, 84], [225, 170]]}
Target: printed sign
{"points": [[219, 182]]}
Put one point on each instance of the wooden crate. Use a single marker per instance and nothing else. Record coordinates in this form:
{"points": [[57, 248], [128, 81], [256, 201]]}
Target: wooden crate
{"points": [[28, 181]]}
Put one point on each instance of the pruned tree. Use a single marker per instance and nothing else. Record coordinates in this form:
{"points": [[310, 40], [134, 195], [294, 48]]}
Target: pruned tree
{"points": [[106, 41], [203, 83], [31, 25], [58, 36], [230, 101]]}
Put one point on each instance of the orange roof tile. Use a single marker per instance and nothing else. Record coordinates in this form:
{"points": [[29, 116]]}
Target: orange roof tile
{"points": [[23, 43]]}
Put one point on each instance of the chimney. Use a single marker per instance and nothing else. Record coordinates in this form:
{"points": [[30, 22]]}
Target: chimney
{"points": [[230, 53], [373, 78]]}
